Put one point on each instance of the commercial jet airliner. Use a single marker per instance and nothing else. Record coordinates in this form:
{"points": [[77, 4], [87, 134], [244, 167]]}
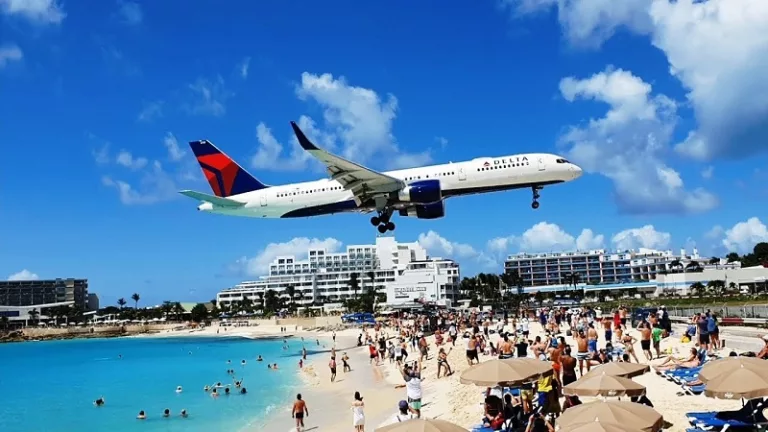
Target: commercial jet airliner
{"points": [[414, 192]]}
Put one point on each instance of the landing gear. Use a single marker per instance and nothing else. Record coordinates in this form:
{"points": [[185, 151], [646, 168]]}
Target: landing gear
{"points": [[536, 196], [382, 220]]}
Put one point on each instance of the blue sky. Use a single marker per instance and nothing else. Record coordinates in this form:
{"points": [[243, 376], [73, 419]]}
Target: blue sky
{"points": [[663, 103]]}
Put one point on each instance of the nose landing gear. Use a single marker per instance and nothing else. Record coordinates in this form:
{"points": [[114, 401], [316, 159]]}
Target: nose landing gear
{"points": [[383, 221], [536, 196]]}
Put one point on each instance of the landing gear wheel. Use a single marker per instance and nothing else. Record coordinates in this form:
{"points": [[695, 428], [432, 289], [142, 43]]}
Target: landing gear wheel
{"points": [[535, 205], [382, 228], [375, 221], [390, 226]]}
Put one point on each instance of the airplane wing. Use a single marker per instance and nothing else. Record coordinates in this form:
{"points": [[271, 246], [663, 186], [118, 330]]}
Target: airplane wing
{"points": [[217, 201], [364, 183]]}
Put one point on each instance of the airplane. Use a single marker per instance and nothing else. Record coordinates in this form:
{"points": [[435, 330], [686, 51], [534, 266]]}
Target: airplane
{"points": [[414, 192]]}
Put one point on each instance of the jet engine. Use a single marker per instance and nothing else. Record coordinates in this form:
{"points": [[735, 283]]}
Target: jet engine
{"points": [[425, 211], [423, 192]]}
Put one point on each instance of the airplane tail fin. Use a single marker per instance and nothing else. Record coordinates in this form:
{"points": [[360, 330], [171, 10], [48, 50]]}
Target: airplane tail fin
{"points": [[224, 175]]}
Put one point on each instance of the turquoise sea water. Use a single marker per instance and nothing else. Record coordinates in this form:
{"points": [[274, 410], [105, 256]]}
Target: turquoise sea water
{"points": [[52, 385]]}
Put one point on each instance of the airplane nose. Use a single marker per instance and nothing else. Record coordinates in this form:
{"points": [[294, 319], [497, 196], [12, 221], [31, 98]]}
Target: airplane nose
{"points": [[576, 171]]}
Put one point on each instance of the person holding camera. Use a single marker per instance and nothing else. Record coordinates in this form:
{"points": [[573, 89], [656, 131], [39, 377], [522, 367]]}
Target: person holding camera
{"points": [[539, 423]]}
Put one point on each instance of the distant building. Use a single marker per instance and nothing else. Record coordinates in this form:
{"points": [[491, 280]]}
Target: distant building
{"points": [[323, 278], [93, 302], [43, 292], [432, 281]]}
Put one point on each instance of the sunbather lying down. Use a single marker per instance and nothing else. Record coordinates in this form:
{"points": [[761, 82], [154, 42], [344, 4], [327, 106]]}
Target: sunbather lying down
{"points": [[671, 363]]}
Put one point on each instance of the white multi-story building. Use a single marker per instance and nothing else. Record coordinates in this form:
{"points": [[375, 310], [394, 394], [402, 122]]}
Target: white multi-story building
{"points": [[323, 277], [596, 266]]}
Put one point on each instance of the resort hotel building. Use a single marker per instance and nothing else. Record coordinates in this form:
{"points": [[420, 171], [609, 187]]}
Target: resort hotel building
{"points": [[17, 298], [402, 271], [641, 271]]}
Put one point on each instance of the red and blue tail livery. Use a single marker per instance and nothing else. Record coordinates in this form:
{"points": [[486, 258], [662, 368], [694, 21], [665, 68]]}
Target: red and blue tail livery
{"points": [[225, 176]]}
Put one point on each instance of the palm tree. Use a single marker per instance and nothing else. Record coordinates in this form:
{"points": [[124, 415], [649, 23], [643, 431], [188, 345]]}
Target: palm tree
{"points": [[732, 287], [372, 276], [121, 302], [354, 283], [135, 297], [167, 308], [33, 314], [290, 291], [698, 288], [715, 261], [4, 322]]}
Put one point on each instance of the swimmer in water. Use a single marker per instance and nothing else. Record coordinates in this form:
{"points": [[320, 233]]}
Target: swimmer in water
{"points": [[274, 366], [184, 413], [142, 415], [99, 402], [269, 366], [166, 413], [214, 393], [259, 359], [226, 391], [206, 389], [243, 391], [229, 361], [242, 363], [178, 389]]}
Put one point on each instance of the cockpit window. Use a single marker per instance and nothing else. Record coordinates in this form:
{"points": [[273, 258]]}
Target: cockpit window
{"points": [[563, 161]]}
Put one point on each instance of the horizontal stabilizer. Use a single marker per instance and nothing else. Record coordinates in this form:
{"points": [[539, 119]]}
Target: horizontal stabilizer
{"points": [[216, 201]]}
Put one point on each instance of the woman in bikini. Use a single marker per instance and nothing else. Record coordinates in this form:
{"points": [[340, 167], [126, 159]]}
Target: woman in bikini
{"points": [[629, 346], [442, 362], [671, 363]]}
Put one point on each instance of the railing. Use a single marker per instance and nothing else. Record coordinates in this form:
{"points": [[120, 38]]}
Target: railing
{"points": [[746, 311]]}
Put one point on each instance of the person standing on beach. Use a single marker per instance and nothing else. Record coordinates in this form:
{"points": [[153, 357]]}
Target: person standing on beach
{"points": [[332, 366], [358, 415], [299, 411]]}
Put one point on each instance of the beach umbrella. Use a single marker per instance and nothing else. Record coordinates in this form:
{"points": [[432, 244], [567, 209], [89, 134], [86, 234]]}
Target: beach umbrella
{"points": [[506, 373], [742, 382], [729, 364], [622, 369], [422, 425], [604, 385], [639, 416], [597, 426]]}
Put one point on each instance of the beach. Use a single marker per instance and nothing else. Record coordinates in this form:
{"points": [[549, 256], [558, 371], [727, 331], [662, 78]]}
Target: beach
{"points": [[444, 398]]}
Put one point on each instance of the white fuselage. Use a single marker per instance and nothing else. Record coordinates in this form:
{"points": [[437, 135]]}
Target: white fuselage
{"points": [[462, 178]]}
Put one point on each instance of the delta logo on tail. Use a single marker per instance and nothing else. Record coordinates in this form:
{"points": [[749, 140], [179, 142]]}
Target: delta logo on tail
{"points": [[225, 176]]}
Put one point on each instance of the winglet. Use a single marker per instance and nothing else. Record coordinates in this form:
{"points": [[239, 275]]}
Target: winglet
{"points": [[305, 143]]}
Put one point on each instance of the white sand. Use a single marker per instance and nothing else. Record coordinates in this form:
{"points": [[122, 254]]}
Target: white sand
{"points": [[444, 398]]}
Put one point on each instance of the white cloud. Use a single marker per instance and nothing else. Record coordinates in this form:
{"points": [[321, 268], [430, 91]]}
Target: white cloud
{"points": [[718, 49], [644, 237], [269, 154], [175, 153], [130, 13], [588, 240], [126, 159], [589, 23], [40, 11], [356, 118], [717, 232], [244, 66], [436, 245], [707, 172], [151, 111], [743, 236], [259, 265], [546, 237], [627, 144], [23, 275], [154, 185], [9, 53], [210, 97]]}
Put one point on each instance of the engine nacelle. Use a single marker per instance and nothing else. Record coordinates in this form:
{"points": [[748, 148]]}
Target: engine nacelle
{"points": [[425, 211], [423, 192]]}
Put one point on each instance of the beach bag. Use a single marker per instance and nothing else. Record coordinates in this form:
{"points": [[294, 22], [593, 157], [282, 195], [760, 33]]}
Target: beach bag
{"points": [[685, 339]]}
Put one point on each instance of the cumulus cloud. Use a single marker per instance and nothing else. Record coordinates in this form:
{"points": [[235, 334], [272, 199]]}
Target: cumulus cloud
{"points": [[175, 153], [126, 159], [436, 245], [10, 53], [743, 236], [259, 264], [151, 111], [545, 237], [717, 49], [627, 143], [23, 275], [645, 237], [357, 119], [589, 23], [37, 11], [270, 152]]}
